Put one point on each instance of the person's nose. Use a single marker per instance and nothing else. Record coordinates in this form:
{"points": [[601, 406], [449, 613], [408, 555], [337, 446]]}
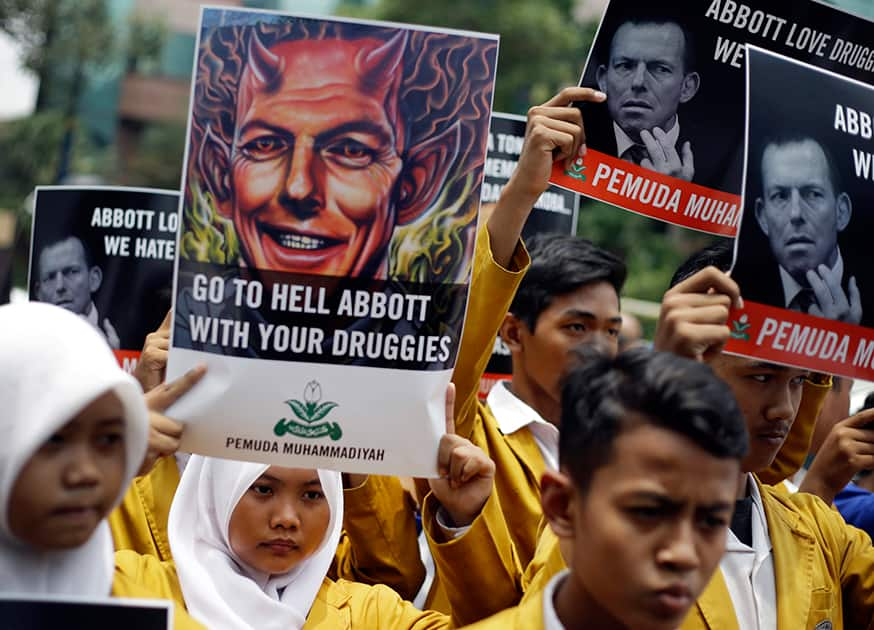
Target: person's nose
{"points": [[82, 469], [638, 77], [301, 178], [285, 516], [679, 552], [796, 215], [781, 406], [60, 285]]}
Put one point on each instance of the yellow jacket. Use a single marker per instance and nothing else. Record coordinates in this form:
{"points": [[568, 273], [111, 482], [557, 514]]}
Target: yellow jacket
{"points": [[518, 462], [340, 605], [139, 523], [379, 543], [824, 570], [526, 616], [147, 577]]}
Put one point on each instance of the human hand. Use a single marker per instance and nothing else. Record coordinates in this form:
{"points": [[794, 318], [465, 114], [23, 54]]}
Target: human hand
{"points": [[663, 156], [694, 313], [152, 365], [164, 432], [554, 132], [466, 472], [111, 335], [847, 449], [832, 301]]}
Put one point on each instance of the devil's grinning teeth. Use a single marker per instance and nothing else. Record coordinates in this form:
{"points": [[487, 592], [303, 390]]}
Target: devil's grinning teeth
{"points": [[298, 241]]}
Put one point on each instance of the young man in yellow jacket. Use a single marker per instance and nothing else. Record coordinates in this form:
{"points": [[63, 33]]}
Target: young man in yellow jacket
{"points": [[650, 450]]}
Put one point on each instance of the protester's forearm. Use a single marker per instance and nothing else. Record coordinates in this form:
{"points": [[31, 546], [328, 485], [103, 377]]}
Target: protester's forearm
{"points": [[506, 222]]}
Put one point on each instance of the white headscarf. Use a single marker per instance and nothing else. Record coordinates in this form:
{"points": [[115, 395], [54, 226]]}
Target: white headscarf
{"points": [[52, 365], [220, 590]]}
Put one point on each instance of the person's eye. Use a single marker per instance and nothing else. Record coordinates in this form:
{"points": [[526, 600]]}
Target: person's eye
{"points": [[110, 439], [350, 153], [313, 495], [761, 378], [56, 439], [712, 522], [575, 327], [813, 195], [265, 147], [261, 489], [613, 332], [645, 512], [798, 381], [661, 70]]}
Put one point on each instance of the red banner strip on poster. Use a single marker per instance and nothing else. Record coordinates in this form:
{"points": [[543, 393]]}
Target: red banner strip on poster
{"points": [[487, 381], [127, 359], [780, 336], [652, 194]]}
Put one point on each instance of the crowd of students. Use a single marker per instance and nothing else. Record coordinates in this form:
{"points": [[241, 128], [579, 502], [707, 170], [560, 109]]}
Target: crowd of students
{"points": [[596, 489]]}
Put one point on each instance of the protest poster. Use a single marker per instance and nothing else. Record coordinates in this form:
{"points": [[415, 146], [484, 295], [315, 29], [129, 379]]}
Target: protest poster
{"points": [[803, 253], [668, 141], [21, 612], [556, 211], [332, 179], [106, 254]]}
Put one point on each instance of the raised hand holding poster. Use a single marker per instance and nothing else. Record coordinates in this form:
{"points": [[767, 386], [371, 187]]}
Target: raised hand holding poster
{"points": [[331, 191]]}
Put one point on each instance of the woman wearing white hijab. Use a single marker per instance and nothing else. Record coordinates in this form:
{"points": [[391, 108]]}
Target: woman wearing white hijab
{"points": [[74, 432], [62, 389], [253, 544]]}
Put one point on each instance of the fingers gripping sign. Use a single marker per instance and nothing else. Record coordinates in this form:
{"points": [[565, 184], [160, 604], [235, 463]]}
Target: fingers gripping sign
{"points": [[466, 472], [554, 132], [164, 432], [152, 366], [694, 315]]}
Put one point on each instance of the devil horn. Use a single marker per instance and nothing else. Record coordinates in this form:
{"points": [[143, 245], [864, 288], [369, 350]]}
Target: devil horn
{"points": [[378, 65], [265, 66]]}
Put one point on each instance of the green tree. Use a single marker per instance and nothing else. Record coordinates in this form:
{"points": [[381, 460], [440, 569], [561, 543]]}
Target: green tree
{"points": [[542, 48]]}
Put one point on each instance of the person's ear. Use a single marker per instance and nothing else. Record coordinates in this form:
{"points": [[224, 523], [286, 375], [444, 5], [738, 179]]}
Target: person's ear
{"points": [[95, 279], [213, 165], [844, 209], [691, 83], [426, 168], [601, 78], [557, 494], [511, 332], [760, 216]]}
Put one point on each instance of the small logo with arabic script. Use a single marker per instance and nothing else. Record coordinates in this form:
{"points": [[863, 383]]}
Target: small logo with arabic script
{"points": [[310, 412]]}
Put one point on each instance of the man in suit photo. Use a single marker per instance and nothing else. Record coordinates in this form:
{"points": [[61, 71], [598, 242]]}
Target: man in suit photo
{"points": [[801, 208], [649, 73]]}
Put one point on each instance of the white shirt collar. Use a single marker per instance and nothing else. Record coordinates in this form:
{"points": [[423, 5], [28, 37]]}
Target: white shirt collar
{"points": [[791, 288], [550, 617], [512, 415], [623, 142]]}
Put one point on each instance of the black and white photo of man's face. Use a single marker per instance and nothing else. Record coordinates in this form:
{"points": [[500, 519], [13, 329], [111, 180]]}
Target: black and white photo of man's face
{"points": [[800, 211], [65, 279], [646, 77]]}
